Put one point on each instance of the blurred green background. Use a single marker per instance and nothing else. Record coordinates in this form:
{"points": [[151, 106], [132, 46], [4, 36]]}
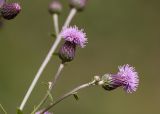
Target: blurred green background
{"points": [[119, 32]]}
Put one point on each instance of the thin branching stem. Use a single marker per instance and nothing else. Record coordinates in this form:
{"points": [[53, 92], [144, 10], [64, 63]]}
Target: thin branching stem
{"points": [[51, 87], [46, 60], [5, 112], [72, 92]]}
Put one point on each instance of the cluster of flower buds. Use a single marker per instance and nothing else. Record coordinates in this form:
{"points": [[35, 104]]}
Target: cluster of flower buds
{"points": [[73, 37], [9, 10], [127, 78]]}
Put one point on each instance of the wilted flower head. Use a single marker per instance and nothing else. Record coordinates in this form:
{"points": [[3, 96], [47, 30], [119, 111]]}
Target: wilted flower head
{"points": [[55, 7], [78, 4], [67, 52], [127, 77], [74, 35], [39, 112], [10, 10]]}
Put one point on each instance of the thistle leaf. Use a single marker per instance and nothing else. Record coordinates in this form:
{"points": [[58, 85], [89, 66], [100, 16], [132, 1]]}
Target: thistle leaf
{"points": [[76, 96]]}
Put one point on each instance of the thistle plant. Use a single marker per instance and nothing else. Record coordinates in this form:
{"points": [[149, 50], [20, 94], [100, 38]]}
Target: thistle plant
{"points": [[73, 37]]}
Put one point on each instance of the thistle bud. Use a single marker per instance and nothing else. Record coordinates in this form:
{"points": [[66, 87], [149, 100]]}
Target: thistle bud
{"points": [[2, 2], [108, 85], [67, 52], [55, 7], [10, 10], [78, 4]]}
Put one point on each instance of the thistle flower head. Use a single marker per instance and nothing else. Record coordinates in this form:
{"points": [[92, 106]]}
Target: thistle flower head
{"points": [[55, 7], [78, 4], [39, 112], [130, 77], [127, 77], [10, 10], [74, 35], [67, 52]]}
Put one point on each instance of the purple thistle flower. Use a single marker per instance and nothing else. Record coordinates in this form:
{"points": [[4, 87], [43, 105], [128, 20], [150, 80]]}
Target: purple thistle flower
{"points": [[67, 52], [10, 10], [127, 77], [78, 4], [130, 77], [39, 112], [74, 35]]}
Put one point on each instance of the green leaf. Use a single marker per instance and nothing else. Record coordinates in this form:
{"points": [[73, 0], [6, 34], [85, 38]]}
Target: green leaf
{"points": [[19, 111], [56, 54], [50, 95], [76, 96], [53, 35]]}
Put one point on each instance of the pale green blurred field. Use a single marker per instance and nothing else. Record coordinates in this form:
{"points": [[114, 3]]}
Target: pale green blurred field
{"points": [[119, 32]]}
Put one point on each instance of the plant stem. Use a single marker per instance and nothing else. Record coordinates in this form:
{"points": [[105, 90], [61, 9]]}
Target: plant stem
{"points": [[5, 112], [47, 59], [68, 94], [51, 87], [56, 25], [70, 17]]}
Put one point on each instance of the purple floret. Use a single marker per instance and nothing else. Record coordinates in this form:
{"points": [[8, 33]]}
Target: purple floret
{"points": [[74, 35], [126, 77], [129, 77]]}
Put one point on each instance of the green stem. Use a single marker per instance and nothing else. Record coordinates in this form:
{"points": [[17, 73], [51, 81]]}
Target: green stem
{"points": [[53, 83], [46, 60], [5, 112], [69, 94], [56, 25]]}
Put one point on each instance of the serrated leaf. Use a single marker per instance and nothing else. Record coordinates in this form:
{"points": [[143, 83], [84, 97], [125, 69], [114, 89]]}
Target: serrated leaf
{"points": [[50, 95], [19, 111], [76, 96]]}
